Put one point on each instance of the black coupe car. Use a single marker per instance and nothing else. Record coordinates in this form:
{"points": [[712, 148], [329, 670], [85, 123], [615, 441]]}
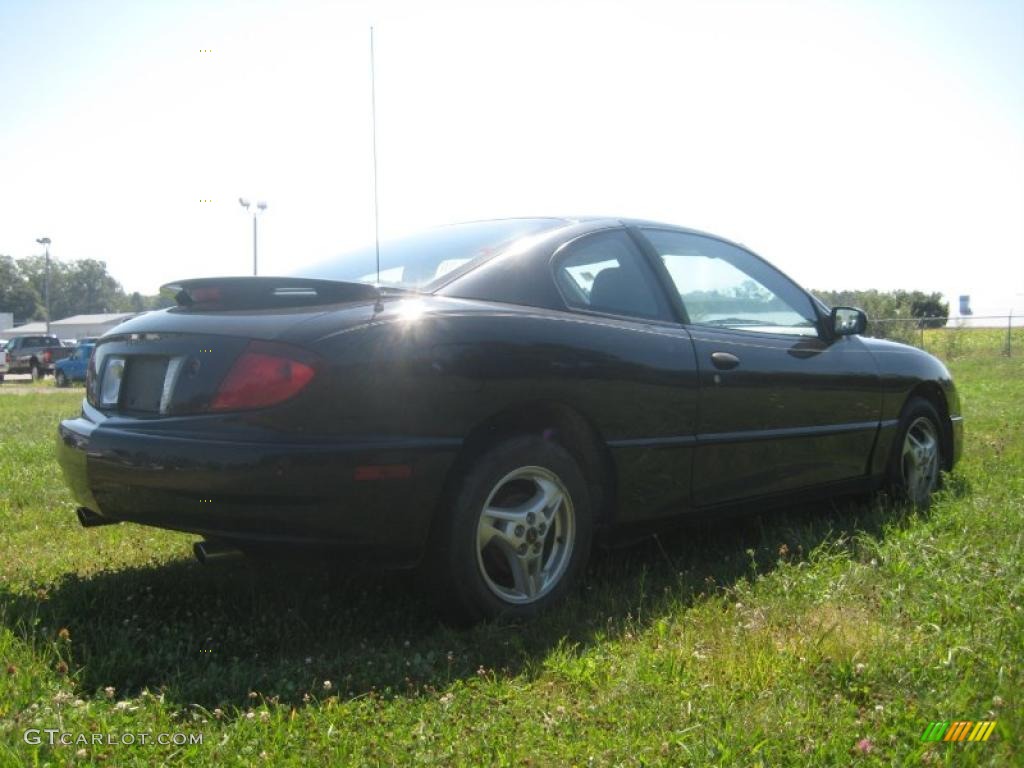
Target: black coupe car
{"points": [[493, 396]]}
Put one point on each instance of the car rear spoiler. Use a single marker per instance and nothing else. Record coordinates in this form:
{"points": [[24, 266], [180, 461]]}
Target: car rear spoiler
{"points": [[266, 292]]}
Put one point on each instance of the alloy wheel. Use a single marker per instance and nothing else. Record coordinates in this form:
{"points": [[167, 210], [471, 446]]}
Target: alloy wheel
{"points": [[525, 535], [919, 461]]}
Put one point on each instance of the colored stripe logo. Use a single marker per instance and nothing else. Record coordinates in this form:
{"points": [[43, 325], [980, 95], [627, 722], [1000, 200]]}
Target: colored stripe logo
{"points": [[960, 730]]}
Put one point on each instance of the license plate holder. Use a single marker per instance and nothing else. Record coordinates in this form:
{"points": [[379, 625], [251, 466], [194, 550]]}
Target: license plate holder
{"points": [[143, 383]]}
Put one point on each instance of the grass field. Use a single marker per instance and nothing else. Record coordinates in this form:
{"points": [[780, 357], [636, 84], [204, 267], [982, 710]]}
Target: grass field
{"points": [[821, 635]]}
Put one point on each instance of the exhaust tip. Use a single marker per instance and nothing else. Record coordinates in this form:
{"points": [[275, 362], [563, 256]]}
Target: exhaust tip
{"points": [[90, 519], [209, 552]]}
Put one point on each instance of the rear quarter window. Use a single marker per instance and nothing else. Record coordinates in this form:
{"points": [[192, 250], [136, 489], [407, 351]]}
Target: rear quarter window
{"points": [[606, 273]]}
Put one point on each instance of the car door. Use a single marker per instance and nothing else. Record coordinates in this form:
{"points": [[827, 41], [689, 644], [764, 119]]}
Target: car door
{"points": [[649, 425], [780, 406]]}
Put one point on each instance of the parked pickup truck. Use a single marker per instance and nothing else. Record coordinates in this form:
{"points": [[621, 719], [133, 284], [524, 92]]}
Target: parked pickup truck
{"points": [[32, 354]]}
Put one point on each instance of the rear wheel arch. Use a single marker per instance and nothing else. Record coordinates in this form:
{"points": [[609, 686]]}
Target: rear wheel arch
{"points": [[554, 421]]}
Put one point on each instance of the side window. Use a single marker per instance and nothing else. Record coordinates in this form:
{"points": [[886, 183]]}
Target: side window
{"points": [[724, 286], [606, 272]]}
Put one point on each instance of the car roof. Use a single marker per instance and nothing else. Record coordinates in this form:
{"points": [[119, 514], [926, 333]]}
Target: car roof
{"points": [[510, 274], [596, 221]]}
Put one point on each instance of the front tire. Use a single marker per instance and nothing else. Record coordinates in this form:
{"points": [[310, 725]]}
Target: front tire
{"points": [[917, 459], [517, 536], [59, 379], [37, 372]]}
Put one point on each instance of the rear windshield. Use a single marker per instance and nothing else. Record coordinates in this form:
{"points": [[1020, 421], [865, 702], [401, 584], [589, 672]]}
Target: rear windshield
{"points": [[418, 260], [40, 341]]}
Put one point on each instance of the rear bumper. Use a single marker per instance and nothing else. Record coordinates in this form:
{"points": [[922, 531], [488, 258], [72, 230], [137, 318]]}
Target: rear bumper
{"points": [[306, 494]]}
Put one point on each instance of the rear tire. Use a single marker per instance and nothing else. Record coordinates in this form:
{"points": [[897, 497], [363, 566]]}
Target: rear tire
{"points": [[917, 455], [515, 537]]}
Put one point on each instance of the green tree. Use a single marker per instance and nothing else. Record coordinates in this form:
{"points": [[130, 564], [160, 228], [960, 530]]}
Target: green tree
{"points": [[136, 302], [929, 306], [76, 288], [16, 294]]}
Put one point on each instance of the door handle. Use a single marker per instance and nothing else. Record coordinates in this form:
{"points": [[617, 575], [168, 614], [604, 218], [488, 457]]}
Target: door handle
{"points": [[724, 361]]}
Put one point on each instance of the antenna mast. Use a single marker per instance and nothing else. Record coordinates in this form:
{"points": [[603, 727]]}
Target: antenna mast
{"points": [[373, 115]]}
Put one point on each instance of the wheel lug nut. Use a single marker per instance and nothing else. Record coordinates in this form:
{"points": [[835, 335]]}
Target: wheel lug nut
{"points": [[522, 549], [541, 529], [520, 530], [530, 518]]}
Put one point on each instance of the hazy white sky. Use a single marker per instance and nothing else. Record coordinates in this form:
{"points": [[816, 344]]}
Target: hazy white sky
{"points": [[854, 144]]}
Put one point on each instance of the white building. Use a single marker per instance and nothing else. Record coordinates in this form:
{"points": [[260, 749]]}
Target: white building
{"points": [[81, 326], [33, 328], [74, 327]]}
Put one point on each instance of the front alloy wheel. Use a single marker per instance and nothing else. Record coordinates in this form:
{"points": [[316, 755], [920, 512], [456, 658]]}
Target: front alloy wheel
{"points": [[525, 535], [916, 460], [919, 460]]}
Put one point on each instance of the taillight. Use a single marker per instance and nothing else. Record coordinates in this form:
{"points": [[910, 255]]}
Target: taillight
{"points": [[265, 374], [47, 356]]}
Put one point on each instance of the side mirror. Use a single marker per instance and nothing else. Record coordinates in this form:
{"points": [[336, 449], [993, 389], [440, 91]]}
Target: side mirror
{"points": [[848, 321]]}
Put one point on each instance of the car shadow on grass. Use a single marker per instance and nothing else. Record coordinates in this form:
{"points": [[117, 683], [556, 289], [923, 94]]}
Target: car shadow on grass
{"points": [[300, 632]]}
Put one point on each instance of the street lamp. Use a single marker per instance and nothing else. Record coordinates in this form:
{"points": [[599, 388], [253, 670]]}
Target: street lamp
{"points": [[45, 241], [260, 207]]}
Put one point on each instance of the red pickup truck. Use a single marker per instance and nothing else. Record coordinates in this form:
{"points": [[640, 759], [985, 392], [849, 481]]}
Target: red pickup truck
{"points": [[32, 354]]}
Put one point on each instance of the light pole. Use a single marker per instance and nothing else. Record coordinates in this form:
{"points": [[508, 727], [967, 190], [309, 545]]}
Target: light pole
{"points": [[260, 207], [45, 242]]}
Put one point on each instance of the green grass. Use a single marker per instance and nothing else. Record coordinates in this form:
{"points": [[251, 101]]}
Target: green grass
{"points": [[950, 343], [784, 639]]}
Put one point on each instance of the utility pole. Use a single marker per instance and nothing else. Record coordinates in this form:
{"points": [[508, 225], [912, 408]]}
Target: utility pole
{"points": [[45, 241], [261, 206]]}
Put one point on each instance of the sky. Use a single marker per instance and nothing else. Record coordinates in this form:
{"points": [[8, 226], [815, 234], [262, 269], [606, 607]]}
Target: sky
{"points": [[854, 144]]}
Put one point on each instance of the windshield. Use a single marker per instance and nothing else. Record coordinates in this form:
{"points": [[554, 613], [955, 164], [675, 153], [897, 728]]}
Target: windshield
{"points": [[417, 260]]}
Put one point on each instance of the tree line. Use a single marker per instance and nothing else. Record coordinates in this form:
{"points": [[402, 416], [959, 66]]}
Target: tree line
{"points": [[928, 308], [82, 287]]}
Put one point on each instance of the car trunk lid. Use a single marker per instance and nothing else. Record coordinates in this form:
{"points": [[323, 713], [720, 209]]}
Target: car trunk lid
{"points": [[171, 362]]}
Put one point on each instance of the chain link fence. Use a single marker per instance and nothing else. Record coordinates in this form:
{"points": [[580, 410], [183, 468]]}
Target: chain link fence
{"points": [[985, 335]]}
